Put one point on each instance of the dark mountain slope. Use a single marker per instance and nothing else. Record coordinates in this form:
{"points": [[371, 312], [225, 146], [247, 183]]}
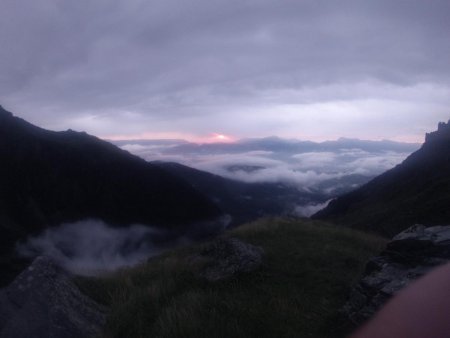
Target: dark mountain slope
{"points": [[244, 201], [416, 191], [51, 177]]}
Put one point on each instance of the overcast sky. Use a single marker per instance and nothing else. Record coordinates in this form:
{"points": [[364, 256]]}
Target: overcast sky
{"points": [[244, 68]]}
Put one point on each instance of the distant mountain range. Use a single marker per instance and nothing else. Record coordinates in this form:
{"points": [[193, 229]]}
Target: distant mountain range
{"points": [[416, 191], [281, 146], [277, 145], [293, 172]]}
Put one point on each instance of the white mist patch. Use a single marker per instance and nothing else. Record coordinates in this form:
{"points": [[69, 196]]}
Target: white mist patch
{"points": [[90, 247], [309, 209]]}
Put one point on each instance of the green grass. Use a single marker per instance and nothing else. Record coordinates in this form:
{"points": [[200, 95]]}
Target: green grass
{"points": [[308, 269]]}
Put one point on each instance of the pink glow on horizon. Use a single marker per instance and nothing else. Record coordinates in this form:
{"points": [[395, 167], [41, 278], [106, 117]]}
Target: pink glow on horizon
{"points": [[211, 138], [222, 138], [219, 138]]}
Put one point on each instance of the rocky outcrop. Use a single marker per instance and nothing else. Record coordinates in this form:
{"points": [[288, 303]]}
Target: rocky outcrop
{"points": [[43, 302], [443, 132], [227, 257], [409, 255]]}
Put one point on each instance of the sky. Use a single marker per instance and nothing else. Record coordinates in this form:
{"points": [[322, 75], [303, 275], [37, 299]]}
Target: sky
{"points": [[220, 70]]}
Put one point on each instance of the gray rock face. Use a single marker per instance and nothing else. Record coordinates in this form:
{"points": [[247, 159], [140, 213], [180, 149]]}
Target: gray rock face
{"points": [[43, 302], [227, 257], [409, 255], [443, 132]]}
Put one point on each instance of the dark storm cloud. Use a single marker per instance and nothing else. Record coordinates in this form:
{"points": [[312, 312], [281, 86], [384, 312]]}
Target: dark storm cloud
{"points": [[134, 66]]}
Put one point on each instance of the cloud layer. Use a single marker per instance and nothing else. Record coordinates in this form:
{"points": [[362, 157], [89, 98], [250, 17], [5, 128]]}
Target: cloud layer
{"points": [[170, 68], [305, 165]]}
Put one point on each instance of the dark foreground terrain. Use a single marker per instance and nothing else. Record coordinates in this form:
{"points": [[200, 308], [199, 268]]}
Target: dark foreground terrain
{"points": [[305, 275]]}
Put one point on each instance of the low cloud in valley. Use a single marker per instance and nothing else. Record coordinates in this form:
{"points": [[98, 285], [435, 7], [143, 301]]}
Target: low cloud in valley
{"points": [[302, 164], [90, 247]]}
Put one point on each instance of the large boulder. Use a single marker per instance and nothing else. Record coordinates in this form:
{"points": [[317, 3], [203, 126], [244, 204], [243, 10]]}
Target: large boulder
{"points": [[409, 255], [43, 302]]}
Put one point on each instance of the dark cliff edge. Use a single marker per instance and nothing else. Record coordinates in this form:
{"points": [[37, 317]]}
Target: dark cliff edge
{"points": [[415, 192]]}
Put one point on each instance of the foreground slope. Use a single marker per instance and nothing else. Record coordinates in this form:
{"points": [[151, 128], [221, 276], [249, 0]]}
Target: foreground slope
{"points": [[48, 177], [416, 191], [306, 274]]}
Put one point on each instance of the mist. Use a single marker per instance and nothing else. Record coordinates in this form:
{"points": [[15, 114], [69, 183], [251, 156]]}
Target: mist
{"points": [[309, 209], [304, 165], [91, 247]]}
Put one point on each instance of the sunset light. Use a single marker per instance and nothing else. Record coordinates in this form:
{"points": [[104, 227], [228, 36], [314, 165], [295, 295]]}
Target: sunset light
{"points": [[221, 137]]}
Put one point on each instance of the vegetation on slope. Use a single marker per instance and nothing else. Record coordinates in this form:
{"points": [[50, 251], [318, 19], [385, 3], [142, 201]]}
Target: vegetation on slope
{"points": [[415, 192], [307, 272]]}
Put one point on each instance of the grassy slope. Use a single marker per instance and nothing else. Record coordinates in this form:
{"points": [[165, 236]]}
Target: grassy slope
{"points": [[417, 191], [307, 272]]}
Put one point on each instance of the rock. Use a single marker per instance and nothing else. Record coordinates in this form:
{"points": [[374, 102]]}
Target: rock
{"points": [[442, 133], [43, 302], [409, 255], [227, 257]]}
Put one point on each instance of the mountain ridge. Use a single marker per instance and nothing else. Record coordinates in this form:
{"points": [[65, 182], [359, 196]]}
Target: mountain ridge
{"points": [[48, 178], [44, 145], [415, 191]]}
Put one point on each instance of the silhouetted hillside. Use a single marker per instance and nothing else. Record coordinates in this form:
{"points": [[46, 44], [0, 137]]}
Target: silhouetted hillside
{"points": [[49, 177], [416, 191]]}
